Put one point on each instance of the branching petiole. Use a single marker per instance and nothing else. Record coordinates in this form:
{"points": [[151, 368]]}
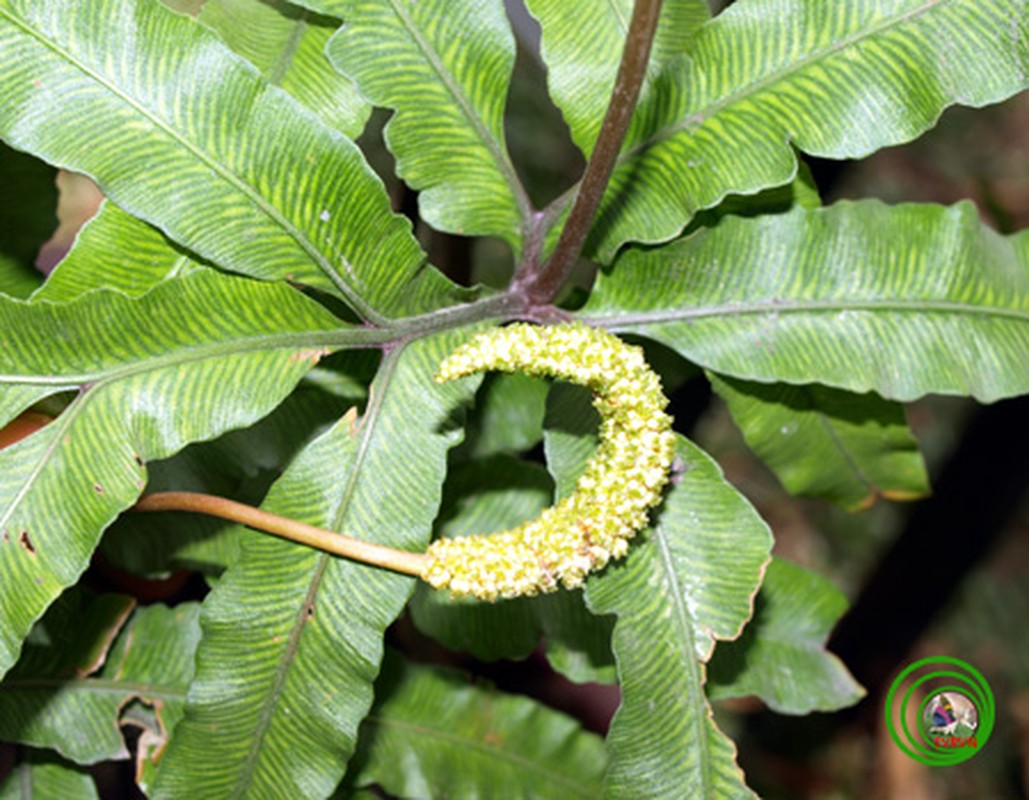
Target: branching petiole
{"points": [[631, 73]]}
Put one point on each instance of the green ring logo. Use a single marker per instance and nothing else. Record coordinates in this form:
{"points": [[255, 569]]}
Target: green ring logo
{"points": [[955, 717]]}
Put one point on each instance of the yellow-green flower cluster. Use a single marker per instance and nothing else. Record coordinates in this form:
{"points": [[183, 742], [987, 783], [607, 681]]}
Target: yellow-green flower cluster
{"points": [[620, 484]]}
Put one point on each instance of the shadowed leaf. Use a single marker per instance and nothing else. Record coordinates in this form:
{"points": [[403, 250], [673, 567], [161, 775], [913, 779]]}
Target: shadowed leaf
{"points": [[781, 656], [821, 442]]}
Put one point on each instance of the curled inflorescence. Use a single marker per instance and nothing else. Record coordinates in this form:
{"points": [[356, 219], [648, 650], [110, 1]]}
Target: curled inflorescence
{"points": [[612, 497]]}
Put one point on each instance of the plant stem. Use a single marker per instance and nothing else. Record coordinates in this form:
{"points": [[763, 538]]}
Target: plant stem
{"points": [[529, 292], [331, 542], [631, 72], [498, 307]]}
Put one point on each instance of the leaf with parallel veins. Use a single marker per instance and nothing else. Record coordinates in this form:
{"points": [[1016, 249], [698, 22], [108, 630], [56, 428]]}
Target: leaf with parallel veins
{"points": [[834, 80], [444, 66], [293, 637], [183, 133], [186, 361], [901, 300], [845, 448]]}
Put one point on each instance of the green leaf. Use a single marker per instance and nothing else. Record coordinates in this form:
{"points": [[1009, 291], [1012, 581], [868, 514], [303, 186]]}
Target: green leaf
{"points": [[28, 203], [583, 60], [46, 777], [114, 250], [432, 733], [508, 416], [17, 280], [570, 436], [293, 636], [846, 448], [576, 643], [901, 300], [241, 465], [781, 656], [15, 399], [483, 496], [687, 581], [800, 192], [185, 362], [690, 581], [186, 135], [287, 44], [81, 668], [832, 80], [444, 66], [487, 495]]}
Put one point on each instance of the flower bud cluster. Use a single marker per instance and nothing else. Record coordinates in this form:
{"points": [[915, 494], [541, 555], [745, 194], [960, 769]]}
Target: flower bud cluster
{"points": [[612, 497]]}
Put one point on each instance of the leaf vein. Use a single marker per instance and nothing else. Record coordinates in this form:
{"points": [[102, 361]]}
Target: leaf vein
{"points": [[686, 622], [447, 79], [215, 165], [792, 67]]}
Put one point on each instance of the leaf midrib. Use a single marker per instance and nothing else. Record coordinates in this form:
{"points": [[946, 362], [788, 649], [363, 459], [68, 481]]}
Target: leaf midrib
{"points": [[522, 204], [620, 18], [367, 424], [301, 623], [298, 341], [289, 652], [739, 309], [284, 59], [851, 463], [701, 115], [56, 431], [352, 296], [188, 355], [687, 624]]}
